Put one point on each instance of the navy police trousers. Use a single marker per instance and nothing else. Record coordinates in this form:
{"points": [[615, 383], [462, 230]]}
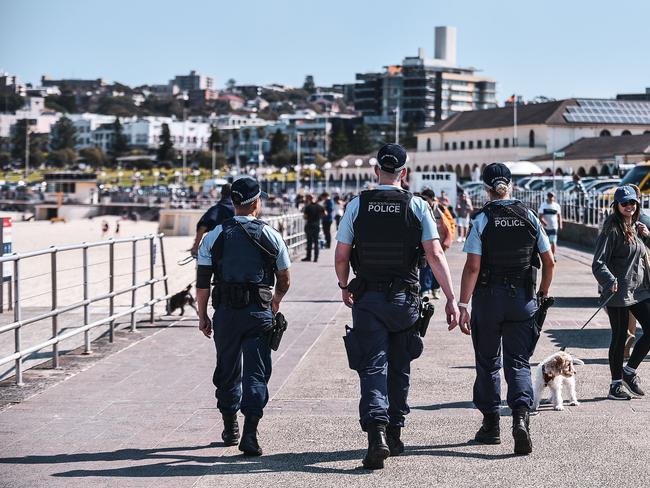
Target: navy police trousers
{"points": [[502, 319], [243, 359], [381, 331]]}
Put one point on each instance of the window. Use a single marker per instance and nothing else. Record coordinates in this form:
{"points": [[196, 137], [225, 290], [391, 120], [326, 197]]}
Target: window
{"points": [[446, 146], [462, 145], [531, 138], [479, 144], [605, 133], [428, 145], [626, 133], [496, 143], [488, 143], [506, 142], [454, 146], [470, 145]]}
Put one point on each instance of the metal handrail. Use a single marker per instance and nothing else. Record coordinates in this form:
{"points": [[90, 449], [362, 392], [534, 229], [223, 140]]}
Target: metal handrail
{"points": [[56, 310]]}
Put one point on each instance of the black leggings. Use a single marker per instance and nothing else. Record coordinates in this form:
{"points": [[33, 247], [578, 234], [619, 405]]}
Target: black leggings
{"points": [[619, 318]]}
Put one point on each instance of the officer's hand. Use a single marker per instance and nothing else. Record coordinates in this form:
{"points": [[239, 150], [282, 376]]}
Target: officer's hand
{"points": [[347, 298], [615, 287], [205, 326], [464, 321], [194, 250], [642, 229], [275, 305], [451, 308]]}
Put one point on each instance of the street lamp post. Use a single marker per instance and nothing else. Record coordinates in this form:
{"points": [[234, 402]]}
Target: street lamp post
{"points": [[156, 174], [358, 163], [297, 167], [119, 178], [312, 168], [197, 173], [344, 164], [269, 172], [284, 178], [327, 166], [372, 163]]}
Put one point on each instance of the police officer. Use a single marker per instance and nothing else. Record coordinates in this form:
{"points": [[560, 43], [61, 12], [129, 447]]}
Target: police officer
{"points": [[503, 249], [246, 257], [383, 234]]}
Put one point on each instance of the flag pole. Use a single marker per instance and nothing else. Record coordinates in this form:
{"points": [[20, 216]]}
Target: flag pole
{"points": [[516, 142]]}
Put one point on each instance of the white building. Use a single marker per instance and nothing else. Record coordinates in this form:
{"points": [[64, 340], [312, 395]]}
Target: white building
{"points": [[34, 110], [473, 139]]}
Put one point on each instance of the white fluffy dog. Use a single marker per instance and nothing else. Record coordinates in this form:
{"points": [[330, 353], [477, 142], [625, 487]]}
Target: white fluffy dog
{"points": [[555, 372]]}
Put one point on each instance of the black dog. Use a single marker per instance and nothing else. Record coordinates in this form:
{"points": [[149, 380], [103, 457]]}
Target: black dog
{"points": [[180, 299]]}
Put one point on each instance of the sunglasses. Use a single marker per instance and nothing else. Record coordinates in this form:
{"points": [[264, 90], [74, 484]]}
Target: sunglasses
{"points": [[628, 203]]}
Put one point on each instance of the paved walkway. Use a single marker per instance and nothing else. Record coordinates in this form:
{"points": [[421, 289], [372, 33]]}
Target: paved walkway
{"points": [[145, 416]]}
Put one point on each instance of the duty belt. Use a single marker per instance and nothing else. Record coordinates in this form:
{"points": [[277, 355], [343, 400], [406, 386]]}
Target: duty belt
{"points": [[509, 280], [387, 286]]}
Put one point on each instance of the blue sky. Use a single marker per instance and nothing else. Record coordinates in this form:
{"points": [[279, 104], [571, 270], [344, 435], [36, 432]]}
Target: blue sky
{"points": [[555, 48]]}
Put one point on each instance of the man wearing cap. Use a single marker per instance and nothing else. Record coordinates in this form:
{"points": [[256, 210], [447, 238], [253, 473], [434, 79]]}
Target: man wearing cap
{"points": [[504, 247], [383, 234], [246, 257], [214, 216]]}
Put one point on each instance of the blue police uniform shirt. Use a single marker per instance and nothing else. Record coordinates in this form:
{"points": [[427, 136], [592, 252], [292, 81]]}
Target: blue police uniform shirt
{"points": [[473, 244], [419, 206], [205, 257]]}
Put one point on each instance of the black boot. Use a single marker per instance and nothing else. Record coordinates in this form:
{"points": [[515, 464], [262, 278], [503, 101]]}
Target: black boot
{"points": [[490, 432], [230, 434], [248, 444], [393, 438], [377, 447], [521, 432]]}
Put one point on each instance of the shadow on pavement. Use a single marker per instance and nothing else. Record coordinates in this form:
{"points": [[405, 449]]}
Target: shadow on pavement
{"points": [[582, 339], [445, 406], [177, 461]]}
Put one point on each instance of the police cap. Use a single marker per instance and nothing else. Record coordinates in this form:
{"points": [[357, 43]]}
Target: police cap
{"points": [[392, 158], [246, 190], [496, 173]]}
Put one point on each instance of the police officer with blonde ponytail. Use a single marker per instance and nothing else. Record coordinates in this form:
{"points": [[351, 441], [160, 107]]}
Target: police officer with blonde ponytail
{"points": [[504, 247]]}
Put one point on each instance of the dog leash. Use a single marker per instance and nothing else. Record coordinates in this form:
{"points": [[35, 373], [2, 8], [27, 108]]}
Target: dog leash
{"points": [[185, 260], [602, 305]]}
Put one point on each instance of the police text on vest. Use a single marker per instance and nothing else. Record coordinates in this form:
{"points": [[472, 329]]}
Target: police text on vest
{"points": [[384, 207]]}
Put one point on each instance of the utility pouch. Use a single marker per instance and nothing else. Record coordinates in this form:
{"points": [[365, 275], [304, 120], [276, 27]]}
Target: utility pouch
{"points": [[264, 296], [277, 331], [357, 287], [426, 313], [415, 344], [216, 296], [352, 348]]}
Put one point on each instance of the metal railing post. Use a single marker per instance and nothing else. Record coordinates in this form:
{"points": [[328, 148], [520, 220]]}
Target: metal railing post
{"points": [[111, 289], [55, 318], [87, 347], [152, 264], [17, 318], [134, 273], [164, 265]]}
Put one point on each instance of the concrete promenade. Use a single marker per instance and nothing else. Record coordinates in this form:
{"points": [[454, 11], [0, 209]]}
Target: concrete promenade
{"points": [[144, 415]]}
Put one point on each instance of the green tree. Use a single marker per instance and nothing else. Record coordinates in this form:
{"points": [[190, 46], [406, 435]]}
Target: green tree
{"points": [[279, 143], [120, 144], [67, 100], [309, 86], [216, 139], [362, 142], [204, 159], [340, 145], [94, 156], [63, 135], [230, 84], [62, 157], [166, 150], [11, 102]]}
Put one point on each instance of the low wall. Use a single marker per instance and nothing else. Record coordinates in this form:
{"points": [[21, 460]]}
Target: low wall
{"points": [[579, 234]]}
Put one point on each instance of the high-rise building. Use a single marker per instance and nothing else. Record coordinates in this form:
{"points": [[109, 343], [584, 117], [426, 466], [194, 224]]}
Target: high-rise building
{"points": [[193, 81], [426, 91]]}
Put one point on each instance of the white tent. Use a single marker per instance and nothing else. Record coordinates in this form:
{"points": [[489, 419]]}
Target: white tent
{"points": [[523, 168]]}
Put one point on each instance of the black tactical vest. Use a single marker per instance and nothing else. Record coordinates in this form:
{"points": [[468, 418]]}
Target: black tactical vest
{"points": [[238, 258], [508, 240], [387, 237]]}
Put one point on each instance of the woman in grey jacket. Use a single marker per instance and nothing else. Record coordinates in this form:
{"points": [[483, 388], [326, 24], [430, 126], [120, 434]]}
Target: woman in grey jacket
{"points": [[620, 266]]}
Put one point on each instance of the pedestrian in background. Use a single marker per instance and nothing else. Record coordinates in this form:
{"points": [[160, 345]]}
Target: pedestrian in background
{"points": [[215, 215], [550, 213], [312, 213], [464, 209], [621, 267], [339, 207], [328, 217]]}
